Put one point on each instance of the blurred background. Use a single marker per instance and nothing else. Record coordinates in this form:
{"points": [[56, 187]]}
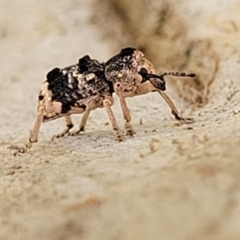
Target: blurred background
{"points": [[169, 181], [176, 35]]}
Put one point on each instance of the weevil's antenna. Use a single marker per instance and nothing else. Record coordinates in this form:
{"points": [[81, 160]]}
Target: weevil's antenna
{"points": [[146, 76], [179, 74]]}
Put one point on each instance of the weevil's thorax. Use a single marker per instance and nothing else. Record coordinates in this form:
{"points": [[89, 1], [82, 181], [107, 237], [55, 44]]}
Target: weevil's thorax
{"points": [[123, 68]]}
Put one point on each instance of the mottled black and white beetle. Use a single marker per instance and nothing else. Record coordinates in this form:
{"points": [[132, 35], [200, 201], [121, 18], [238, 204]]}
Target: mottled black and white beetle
{"points": [[132, 74], [90, 84], [76, 89]]}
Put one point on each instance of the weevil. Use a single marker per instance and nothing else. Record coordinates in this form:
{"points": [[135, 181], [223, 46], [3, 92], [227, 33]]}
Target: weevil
{"points": [[90, 84], [75, 89], [132, 74]]}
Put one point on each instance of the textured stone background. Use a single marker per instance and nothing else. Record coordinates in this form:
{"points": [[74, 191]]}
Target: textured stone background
{"points": [[169, 182]]}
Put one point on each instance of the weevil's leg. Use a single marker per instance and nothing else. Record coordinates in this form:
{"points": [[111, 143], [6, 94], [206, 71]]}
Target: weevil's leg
{"points": [[107, 103], [125, 110], [174, 109], [127, 117], [33, 133], [69, 125], [82, 124], [147, 87]]}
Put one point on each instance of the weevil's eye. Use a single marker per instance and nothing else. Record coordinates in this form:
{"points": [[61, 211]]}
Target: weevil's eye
{"points": [[143, 72]]}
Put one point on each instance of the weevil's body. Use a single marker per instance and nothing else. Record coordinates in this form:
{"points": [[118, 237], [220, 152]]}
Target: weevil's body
{"points": [[132, 74], [89, 85], [73, 90]]}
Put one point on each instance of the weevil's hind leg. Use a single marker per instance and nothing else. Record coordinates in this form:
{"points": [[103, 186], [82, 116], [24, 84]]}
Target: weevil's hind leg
{"points": [[174, 109], [126, 113], [69, 125], [82, 124], [33, 133], [107, 103]]}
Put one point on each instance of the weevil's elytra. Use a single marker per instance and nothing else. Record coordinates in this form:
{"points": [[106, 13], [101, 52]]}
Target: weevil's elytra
{"points": [[69, 89]]}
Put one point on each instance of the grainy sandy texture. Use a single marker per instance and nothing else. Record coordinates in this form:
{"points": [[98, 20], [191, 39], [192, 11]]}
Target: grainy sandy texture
{"points": [[168, 182]]}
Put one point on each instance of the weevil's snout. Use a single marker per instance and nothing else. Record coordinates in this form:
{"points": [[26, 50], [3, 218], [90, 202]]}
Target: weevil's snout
{"points": [[156, 80]]}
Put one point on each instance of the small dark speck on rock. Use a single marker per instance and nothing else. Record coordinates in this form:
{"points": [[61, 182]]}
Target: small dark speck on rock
{"points": [[3, 32], [11, 173]]}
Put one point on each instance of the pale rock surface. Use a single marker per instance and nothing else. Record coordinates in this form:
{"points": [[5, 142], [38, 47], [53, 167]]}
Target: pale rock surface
{"points": [[168, 182]]}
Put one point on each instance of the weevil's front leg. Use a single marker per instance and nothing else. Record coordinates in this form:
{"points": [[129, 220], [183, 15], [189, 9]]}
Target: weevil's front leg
{"points": [[107, 103], [69, 125], [33, 133], [82, 124], [125, 110], [147, 87], [174, 109]]}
